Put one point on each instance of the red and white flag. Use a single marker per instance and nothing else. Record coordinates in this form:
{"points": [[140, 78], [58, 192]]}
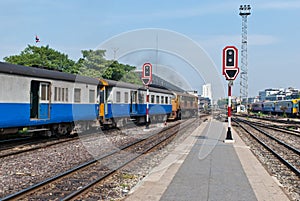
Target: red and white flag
{"points": [[37, 39]]}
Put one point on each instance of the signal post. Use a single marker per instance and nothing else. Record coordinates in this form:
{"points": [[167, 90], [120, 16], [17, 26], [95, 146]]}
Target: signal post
{"points": [[147, 79], [230, 70]]}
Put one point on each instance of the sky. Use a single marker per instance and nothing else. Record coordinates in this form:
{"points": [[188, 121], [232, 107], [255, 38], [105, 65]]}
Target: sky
{"points": [[70, 26]]}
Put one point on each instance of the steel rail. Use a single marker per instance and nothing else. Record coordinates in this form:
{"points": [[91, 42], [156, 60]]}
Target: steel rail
{"points": [[84, 188], [297, 151], [61, 175], [288, 164], [274, 127]]}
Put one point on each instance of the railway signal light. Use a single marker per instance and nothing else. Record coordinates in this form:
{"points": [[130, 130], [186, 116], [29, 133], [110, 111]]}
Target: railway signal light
{"points": [[147, 73], [230, 57], [230, 62]]}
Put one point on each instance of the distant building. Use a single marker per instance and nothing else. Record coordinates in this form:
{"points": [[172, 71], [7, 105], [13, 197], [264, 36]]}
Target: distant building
{"points": [[278, 94], [292, 93], [267, 93], [206, 91]]}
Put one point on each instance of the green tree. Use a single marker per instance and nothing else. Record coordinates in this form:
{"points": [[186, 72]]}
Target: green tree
{"points": [[45, 57], [122, 72], [94, 64]]}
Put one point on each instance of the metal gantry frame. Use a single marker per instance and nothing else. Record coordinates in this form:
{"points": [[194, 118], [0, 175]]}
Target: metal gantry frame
{"points": [[244, 13]]}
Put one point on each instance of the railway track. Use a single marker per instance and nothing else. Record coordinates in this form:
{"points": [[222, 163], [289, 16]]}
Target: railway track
{"points": [[73, 183], [272, 120], [289, 136], [277, 150], [11, 143], [23, 145], [285, 152], [29, 144]]}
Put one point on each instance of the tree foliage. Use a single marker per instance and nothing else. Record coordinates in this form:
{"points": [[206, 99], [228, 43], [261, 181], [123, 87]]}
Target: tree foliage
{"points": [[92, 63], [117, 71], [42, 56]]}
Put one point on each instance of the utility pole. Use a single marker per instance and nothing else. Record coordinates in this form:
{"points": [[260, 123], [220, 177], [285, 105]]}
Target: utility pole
{"points": [[244, 13]]}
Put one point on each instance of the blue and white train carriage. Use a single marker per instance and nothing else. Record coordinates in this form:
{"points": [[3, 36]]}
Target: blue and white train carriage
{"points": [[121, 102], [36, 99]]}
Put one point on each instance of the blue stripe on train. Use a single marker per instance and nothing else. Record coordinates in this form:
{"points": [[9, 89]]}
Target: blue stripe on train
{"points": [[18, 114], [125, 110]]}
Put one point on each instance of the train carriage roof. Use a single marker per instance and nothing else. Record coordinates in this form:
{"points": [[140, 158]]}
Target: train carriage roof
{"points": [[114, 83], [13, 69], [185, 94]]}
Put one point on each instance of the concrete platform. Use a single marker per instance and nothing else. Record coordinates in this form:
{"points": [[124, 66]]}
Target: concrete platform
{"points": [[203, 167]]}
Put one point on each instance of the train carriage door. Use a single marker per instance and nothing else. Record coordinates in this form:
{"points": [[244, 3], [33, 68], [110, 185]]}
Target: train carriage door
{"points": [[44, 100], [141, 101], [133, 102], [103, 103], [39, 100], [34, 99], [298, 108]]}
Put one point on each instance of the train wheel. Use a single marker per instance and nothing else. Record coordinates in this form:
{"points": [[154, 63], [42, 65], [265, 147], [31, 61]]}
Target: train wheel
{"points": [[62, 129]]}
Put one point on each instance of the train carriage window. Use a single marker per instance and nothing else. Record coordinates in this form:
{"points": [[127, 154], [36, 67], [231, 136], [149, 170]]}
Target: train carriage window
{"points": [[157, 99], [45, 91], [152, 98], [91, 96], [166, 100], [162, 99], [118, 96], [126, 97], [59, 94], [109, 95], [133, 98], [55, 93], [63, 94], [77, 95], [67, 94], [141, 97]]}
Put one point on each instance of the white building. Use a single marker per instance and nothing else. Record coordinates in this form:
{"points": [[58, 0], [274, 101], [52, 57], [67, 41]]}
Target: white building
{"points": [[206, 91], [278, 94]]}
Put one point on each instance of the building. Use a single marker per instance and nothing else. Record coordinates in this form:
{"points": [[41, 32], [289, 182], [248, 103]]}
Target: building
{"points": [[278, 94], [206, 91]]}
